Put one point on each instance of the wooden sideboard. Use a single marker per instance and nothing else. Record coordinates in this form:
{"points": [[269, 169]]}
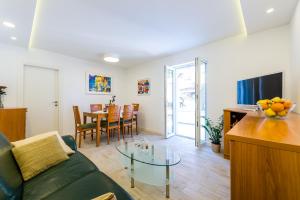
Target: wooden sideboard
{"points": [[264, 157], [231, 117], [13, 123]]}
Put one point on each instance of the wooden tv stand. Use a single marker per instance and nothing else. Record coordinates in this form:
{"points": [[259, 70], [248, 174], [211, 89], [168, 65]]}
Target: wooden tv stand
{"points": [[264, 155], [231, 117]]}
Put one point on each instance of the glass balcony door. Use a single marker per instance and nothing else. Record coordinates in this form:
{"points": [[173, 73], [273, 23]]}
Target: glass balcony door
{"points": [[170, 102], [185, 100]]}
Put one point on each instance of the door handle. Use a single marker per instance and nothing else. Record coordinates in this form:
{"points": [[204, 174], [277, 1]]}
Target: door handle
{"points": [[55, 103]]}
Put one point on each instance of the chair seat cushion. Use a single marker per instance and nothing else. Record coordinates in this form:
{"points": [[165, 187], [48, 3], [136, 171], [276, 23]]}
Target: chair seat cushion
{"points": [[89, 187], [104, 123], [88, 126], [57, 177], [125, 121]]}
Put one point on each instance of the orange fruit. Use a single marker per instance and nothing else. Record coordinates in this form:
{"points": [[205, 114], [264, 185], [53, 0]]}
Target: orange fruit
{"points": [[264, 106], [287, 104], [277, 107]]}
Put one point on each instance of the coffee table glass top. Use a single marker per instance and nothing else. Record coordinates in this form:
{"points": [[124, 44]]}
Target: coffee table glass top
{"points": [[149, 153]]}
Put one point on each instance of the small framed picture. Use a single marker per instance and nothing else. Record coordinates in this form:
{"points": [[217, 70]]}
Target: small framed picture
{"points": [[98, 84], [143, 87]]}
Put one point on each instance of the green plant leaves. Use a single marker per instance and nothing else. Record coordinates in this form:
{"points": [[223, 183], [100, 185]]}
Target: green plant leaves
{"points": [[214, 130]]}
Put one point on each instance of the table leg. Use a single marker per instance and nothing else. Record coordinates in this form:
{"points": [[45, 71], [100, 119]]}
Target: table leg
{"points": [[84, 121], [98, 132], [132, 170], [136, 125], [167, 179]]}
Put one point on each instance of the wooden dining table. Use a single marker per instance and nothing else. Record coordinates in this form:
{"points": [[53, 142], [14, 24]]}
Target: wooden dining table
{"points": [[98, 115]]}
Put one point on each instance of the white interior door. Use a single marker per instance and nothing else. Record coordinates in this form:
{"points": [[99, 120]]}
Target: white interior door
{"points": [[41, 99]]}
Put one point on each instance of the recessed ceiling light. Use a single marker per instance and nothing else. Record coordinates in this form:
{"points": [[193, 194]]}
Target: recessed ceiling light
{"points": [[270, 10], [112, 59], [9, 24], [13, 38]]}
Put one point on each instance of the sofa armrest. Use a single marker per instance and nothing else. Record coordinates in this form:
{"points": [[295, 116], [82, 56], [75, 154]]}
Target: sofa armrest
{"points": [[69, 140]]}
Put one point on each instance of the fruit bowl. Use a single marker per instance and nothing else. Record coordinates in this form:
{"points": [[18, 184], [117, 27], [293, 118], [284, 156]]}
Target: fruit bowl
{"points": [[276, 108]]}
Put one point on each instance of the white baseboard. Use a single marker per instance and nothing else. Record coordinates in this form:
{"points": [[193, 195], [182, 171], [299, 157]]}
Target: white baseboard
{"points": [[150, 132]]}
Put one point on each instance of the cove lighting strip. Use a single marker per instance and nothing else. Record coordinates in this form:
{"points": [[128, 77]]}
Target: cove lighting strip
{"points": [[242, 19], [34, 22]]}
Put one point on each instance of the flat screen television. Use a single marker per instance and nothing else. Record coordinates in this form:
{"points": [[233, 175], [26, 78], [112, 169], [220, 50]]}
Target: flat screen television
{"points": [[249, 91]]}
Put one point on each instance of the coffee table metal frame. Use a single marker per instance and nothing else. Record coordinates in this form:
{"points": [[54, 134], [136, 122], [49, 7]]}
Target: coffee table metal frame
{"points": [[167, 165]]}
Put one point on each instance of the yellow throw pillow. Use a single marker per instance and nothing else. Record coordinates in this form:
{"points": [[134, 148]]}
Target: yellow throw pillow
{"points": [[38, 156], [29, 140], [107, 196]]}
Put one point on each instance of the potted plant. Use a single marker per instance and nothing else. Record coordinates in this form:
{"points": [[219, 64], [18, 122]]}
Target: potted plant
{"points": [[2, 93], [214, 130]]}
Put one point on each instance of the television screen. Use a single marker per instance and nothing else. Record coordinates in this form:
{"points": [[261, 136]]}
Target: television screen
{"points": [[249, 91]]}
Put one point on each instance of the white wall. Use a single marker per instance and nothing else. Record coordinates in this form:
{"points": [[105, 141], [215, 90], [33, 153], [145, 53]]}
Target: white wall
{"points": [[295, 57], [228, 60], [71, 80]]}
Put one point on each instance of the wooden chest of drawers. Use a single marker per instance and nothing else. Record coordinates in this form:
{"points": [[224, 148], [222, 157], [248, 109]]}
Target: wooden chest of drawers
{"points": [[13, 123]]}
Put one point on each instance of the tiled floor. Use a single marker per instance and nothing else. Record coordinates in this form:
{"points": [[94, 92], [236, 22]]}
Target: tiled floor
{"points": [[201, 174]]}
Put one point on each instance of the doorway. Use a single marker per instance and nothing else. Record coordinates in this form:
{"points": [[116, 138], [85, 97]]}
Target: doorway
{"points": [[41, 99], [186, 100]]}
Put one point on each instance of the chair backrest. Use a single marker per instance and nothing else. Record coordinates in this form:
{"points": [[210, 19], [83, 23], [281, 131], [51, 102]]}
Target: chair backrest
{"points": [[113, 113], [127, 112], [96, 107], [136, 106], [76, 115], [11, 182], [106, 106]]}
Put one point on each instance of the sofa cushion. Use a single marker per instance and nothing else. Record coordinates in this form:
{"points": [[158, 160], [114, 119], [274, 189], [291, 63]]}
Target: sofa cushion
{"points": [[58, 177], [10, 176], [29, 140], [70, 141], [107, 196], [38, 156], [89, 187]]}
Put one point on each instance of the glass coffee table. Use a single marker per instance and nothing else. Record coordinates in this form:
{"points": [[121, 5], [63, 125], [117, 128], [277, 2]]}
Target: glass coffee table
{"points": [[149, 163]]}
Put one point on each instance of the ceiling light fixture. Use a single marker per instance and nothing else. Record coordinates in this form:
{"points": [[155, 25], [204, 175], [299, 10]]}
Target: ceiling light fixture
{"points": [[270, 10], [13, 38], [9, 24], [111, 58]]}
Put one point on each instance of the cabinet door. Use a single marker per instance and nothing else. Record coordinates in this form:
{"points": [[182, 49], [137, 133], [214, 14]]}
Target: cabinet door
{"points": [[12, 123], [226, 129]]}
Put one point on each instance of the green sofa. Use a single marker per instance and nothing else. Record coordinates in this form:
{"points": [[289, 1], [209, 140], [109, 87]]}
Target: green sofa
{"points": [[76, 178]]}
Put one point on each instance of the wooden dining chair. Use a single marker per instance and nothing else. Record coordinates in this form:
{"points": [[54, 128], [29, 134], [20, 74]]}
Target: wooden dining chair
{"points": [[112, 122], [106, 106], [135, 116], [127, 119], [95, 107], [81, 128]]}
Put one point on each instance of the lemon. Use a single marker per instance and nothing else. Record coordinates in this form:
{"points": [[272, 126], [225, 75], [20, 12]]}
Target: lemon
{"points": [[270, 113], [263, 101], [282, 113], [277, 100]]}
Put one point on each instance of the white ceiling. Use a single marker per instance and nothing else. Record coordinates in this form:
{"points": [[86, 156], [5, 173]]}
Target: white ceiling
{"points": [[136, 30], [257, 19], [21, 13]]}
